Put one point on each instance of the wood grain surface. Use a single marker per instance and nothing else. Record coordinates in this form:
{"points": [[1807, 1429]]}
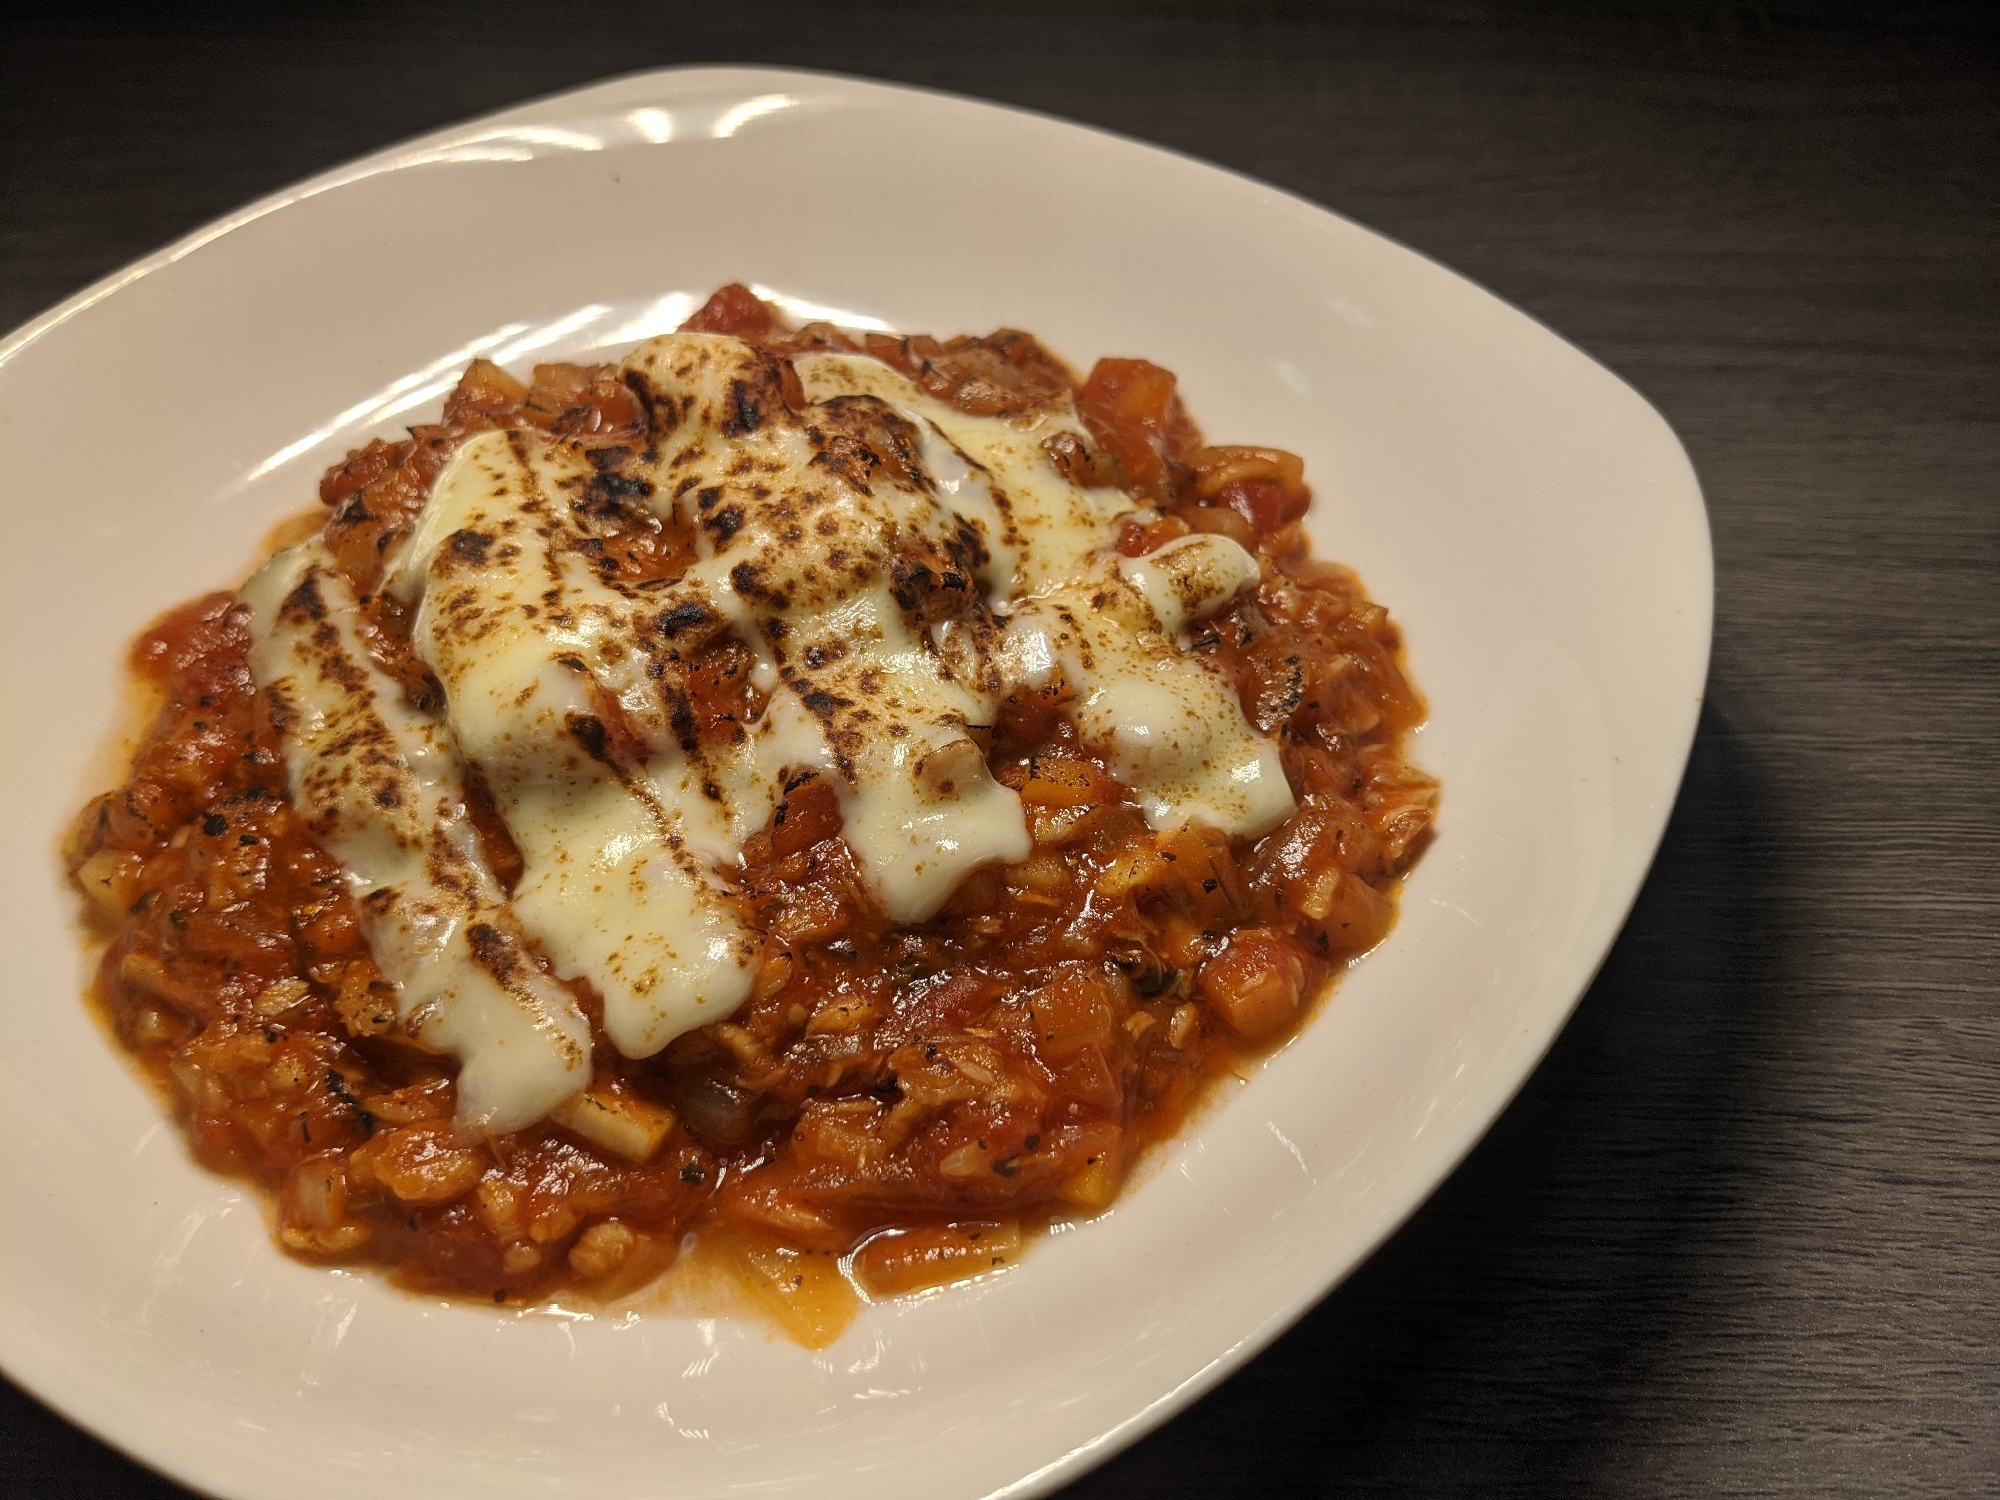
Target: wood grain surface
{"points": [[1740, 1235]]}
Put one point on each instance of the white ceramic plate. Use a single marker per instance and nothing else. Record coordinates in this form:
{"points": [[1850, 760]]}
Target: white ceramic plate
{"points": [[1529, 519]]}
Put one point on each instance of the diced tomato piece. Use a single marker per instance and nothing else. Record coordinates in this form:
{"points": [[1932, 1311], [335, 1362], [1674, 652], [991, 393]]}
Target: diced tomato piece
{"points": [[1072, 1011], [1257, 983], [1136, 540], [734, 309], [485, 390], [1264, 503], [807, 815], [359, 469], [1132, 540], [1060, 781], [1131, 407]]}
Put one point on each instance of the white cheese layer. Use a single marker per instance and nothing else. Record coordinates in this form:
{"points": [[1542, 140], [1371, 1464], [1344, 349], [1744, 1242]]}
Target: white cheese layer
{"points": [[534, 651], [381, 788], [992, 470], [826, 547], [894, 567], [1172, 729]]}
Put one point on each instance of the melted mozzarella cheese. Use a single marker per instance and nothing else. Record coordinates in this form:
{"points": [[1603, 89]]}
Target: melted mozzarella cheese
{"points": [[529, 646], [894, 566], [994, 471], [1172, 729], [1189, 579], [826, 546], [380, 786]]}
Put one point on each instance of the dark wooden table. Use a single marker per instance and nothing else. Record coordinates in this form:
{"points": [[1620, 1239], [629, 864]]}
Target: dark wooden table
{"points": [[1740, 1235]]}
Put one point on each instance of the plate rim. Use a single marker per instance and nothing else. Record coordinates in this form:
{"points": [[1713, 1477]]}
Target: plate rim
{"points": [[95, 1411]]}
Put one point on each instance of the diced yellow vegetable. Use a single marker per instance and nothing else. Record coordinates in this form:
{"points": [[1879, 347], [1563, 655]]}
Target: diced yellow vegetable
{"points": [[900, 1261], [631, 1127], [110, 877], [802, 1289]]}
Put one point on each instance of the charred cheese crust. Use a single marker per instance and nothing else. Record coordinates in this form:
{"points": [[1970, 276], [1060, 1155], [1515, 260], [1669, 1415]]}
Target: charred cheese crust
{"points": [[896, 566]]}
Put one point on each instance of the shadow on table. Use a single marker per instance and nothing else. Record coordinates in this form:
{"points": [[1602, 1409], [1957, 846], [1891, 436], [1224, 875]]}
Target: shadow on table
{"points": [[1503, 1341]]}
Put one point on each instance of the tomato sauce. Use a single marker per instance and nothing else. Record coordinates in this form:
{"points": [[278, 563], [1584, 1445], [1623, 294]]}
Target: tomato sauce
{"points": [[899, 1101]]}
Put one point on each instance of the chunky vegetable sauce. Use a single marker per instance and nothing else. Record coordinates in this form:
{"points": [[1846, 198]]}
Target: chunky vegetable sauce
{"points": [[909, 1096]]}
